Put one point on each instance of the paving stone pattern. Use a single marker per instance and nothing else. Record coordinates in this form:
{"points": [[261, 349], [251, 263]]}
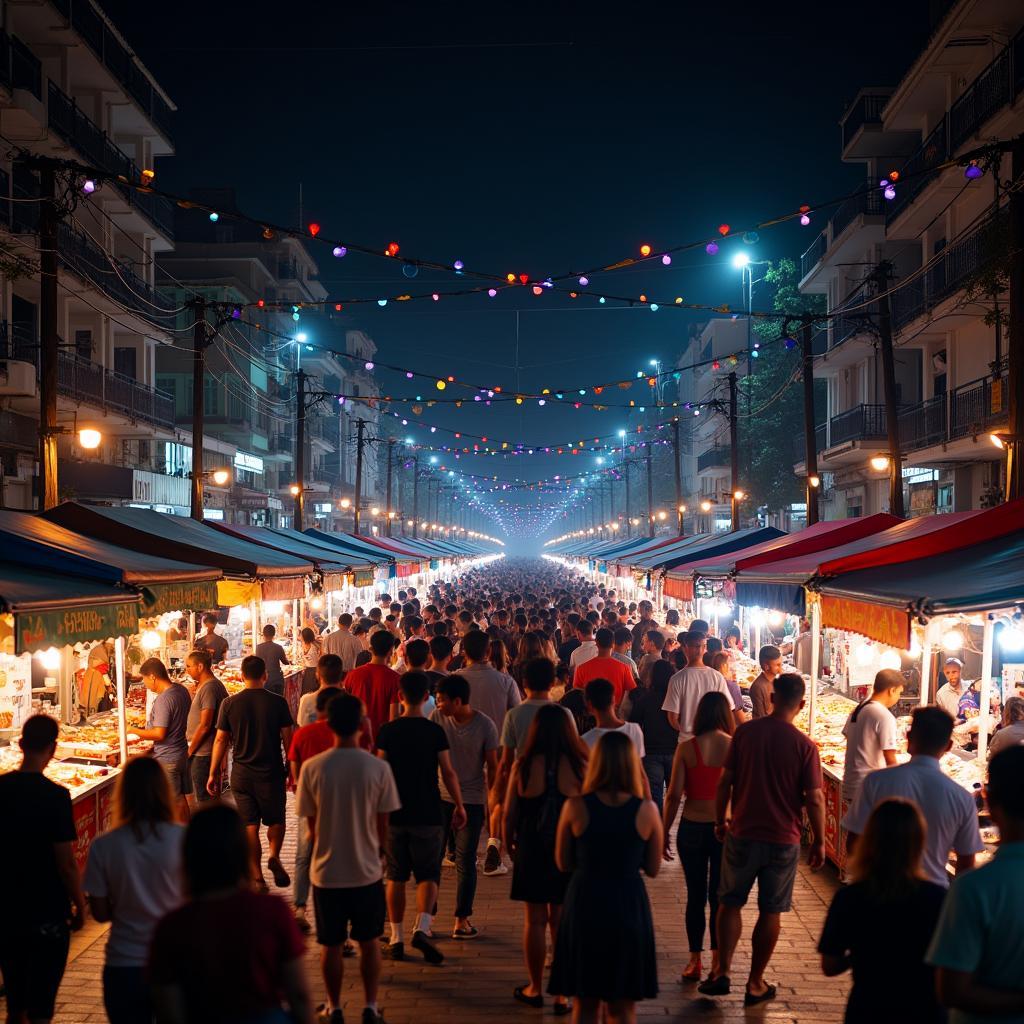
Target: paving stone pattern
{"points": [[476, 980]]}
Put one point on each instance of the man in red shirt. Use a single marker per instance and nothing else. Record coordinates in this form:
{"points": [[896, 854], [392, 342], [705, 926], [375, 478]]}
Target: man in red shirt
{"points": [[375, 684], [771, 773], [604, 666]]}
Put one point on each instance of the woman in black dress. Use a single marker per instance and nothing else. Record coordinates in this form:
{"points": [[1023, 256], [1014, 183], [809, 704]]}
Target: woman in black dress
{"points": [[550, 770], [605, 947]]}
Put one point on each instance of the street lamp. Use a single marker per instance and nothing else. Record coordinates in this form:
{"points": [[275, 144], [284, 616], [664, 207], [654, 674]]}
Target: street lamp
{"points": [[220, 477], [89, 438], [682, 511], [734, 506], [879, 463]]}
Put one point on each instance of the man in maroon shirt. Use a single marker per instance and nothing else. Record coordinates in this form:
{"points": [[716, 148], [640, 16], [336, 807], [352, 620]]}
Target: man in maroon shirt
{"points": [[771, 773]]}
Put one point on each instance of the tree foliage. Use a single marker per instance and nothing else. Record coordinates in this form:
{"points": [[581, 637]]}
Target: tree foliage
{"points": [[772, 436]]}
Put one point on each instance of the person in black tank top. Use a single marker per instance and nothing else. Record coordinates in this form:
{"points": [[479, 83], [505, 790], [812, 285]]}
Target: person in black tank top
{"points": [[532, 813], [605, 949]]}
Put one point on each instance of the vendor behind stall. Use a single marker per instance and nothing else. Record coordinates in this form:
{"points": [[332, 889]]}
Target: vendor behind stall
{"points": [[962, 700], [210, 640]]}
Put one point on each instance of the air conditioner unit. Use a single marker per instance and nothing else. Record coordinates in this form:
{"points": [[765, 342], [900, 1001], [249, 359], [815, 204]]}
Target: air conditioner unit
{"points": [[17, 378]]}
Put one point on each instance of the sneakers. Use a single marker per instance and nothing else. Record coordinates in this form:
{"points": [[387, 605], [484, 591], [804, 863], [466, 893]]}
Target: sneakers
{"points": [[430, 952], [492, 861], [395, 950]]}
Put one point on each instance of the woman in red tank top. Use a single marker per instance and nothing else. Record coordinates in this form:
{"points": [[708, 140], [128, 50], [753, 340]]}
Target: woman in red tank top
{"points": [[696, 769]]}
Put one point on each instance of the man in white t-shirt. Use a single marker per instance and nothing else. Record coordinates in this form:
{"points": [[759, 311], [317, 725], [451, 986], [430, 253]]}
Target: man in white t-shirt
{"points": [[689, 684], [947, 808], [346, 795], [600, 694], [587, 648], [870, 732]]}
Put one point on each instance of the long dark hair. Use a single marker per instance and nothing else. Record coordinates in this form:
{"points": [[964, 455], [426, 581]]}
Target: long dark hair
{"points": [[216, 851], [713, 714], [143, 798], [887, 857], [552, 736], [661, 673]]}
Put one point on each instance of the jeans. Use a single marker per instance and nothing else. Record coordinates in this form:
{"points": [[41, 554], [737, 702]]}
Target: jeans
{"points": [[303, 854], [126, 995], [658, 768], [700, 854], [467, 839]]}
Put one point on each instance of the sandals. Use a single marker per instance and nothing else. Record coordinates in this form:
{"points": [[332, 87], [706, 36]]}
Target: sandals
{"points": [[692, 972], [469, 932], [519, 994], [281, 877], [714, 986]]}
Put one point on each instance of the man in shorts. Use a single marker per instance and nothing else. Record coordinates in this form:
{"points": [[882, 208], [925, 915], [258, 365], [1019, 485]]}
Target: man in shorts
{"points": [[43, 899], [258, 726], [772, 772], [416, 748], [346, 794]]}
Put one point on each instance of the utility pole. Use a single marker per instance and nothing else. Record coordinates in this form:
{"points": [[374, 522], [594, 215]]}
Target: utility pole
{"points": [[300, 449], [360, 428], [812, 480], [650, 494], [625, 470], [415, 496], [48, 237], [734, 453], [1015, 341], [387, 495], [200, 340], [882, 275], [679, 473]]}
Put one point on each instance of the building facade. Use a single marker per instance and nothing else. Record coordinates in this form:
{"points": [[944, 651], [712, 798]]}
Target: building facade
{"points": [[940, 237], [72, 88]]}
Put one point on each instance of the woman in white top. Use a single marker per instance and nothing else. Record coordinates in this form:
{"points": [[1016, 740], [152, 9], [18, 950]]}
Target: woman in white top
{"points": [[310, 657], [133, 878]]}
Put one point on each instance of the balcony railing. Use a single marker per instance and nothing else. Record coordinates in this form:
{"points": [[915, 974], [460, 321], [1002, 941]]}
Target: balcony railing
{"points": [[861, 423], [86, 21], [713, 458], [923, 424], [866, 109], [869, 202], [80, 254], [814, 254], [976, 406], [26, 72], [844, 325], [820, 442], [89, 383], [66, 120], [996, 87]]}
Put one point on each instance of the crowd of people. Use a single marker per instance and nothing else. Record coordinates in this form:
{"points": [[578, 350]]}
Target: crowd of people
{"points": [[573, 729]]}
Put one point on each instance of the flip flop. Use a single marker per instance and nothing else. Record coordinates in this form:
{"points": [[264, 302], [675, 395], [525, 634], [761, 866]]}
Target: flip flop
{"points": [[281, 877], [714, 986], [752, 1000]]}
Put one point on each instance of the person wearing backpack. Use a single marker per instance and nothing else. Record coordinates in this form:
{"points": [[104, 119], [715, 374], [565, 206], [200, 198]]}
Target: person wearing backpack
{"points": [[550, 771]]}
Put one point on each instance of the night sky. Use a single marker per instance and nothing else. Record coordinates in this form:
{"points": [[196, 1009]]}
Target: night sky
{"points": [[523, 138]]}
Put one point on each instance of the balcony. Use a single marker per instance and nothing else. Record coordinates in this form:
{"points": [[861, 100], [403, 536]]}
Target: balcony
{"points": [[19, 66], [86, 382], [814, 254], [977, 406], [122, 65], [67, 121], [83, 256], [861, 423], [820, 442], [923, 425], [996, 87], [865, 111], [713, 458], [868, 203]]}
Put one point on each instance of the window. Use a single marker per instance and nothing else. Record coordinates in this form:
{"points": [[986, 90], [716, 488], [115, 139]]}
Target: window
{"points": [[83, 345], [211, 397], [125, 362]]}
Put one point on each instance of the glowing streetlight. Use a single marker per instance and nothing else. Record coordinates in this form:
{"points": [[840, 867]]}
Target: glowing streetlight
{"points": [[814, 481], [89, 438], [879, 463], [345, 503], [705, 505], [294, 490], [741, 260]]}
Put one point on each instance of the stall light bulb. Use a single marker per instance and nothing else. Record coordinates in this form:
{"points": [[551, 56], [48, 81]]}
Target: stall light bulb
{"points": [[316, 603], [1011, 638], [50, 659], [757, 618], [914, 650], [150, 640], [724, 608], [952, 640], [864, 655], [890, 659], [241, 613], [776, 619], [273, 607]]}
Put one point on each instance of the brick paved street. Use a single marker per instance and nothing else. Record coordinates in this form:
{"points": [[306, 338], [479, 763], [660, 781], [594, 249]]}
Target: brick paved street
{"points": [[477, 979]]}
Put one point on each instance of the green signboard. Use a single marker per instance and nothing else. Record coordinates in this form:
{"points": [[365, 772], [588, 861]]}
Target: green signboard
{"points": [[36, 631], [179, 597]]}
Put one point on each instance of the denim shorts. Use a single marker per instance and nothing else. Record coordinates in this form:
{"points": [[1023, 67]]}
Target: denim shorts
{"points": [[771, 865]]}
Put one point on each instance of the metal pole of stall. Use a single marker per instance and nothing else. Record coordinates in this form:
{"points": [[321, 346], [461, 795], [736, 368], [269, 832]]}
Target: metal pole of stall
{"points": [[985, 696], [812, 696], [122, 699], [926, 664]]}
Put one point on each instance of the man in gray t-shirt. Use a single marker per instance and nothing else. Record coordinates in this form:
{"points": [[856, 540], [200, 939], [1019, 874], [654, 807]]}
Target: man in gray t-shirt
{"points": [[202, 720], [473, 749], [492, 692], [165, 726]]}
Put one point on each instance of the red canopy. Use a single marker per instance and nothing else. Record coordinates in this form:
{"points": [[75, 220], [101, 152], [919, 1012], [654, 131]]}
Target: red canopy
{"points": [[958, 531]]}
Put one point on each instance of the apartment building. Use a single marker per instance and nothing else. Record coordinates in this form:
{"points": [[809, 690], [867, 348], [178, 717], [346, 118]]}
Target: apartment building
{"points": [[943, 234], [704, 428], [71, 87]]}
